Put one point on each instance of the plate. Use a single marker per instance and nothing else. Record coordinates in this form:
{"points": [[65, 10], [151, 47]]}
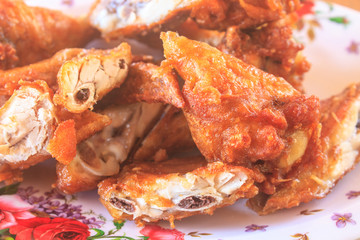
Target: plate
{"points": [[332, 39]]}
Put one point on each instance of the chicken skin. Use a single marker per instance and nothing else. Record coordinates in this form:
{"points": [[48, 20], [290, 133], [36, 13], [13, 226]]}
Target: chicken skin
{"points": [[174, 189], [221, 14], [30, 34], [326, 160], [271, 48], [240, 114]]}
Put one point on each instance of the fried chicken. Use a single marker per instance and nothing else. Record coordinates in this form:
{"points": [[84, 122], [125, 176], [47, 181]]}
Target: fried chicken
{"points": [[84, 80], [239, 114], [101, 155], [45, 70], [30, 34], [326, 160], [149, 83], [174, 189], [221, 14], [27, 122], [271, 48]]}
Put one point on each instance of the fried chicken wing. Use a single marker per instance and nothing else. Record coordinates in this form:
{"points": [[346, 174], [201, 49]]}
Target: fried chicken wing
{"points": [[221, 14], [27, 122], [30, 34], [174, 189], [238, 113], [101, 155], [271, 48], [327, 161], [149, 83], [45, 70], [84, 80], [129, 18]]}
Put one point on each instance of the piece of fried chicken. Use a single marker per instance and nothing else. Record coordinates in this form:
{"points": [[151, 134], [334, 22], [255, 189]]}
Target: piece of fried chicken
{"points": [[271, 48], [240, 114], [45, 70], [29, 124], [87, 78], [116, 18], [174, 189], [101, 155], [221, 14], [326, 161], [30, 34]]}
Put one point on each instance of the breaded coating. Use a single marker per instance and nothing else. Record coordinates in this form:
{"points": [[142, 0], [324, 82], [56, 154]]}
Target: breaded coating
{"points": [[30, 34], [174, 189], [271, 48], [221, 14], [45, 70], [84, 80], [326, 161], [240, 114], [149, 83], [101, 155], [27, 122]]}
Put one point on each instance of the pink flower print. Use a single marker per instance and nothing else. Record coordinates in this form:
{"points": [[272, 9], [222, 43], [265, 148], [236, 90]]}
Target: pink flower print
{"points": [[12, 208], [341, 220], [353, 47], [353, 194], [254, 227], [155, 232]]}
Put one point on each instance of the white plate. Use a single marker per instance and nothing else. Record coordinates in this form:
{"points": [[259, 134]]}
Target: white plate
{"points": [[334, 66]]}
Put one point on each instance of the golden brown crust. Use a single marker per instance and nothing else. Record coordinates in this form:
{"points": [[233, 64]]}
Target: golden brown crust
{"points": [[35, 33], [270, 47], [149, 83], [240, 114], [221, 14], [326, 161], [146, 182], [45, 70]]}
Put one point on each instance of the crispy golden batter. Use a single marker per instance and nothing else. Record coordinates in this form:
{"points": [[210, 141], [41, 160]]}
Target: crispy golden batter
{"points": [[174, 189], [238, 113], [101, 155], [84, 80], [270, 48], [45, 70], [147, 82], [30, 34], [169, 136], [27, 122], [221, 14], [326, 160]]}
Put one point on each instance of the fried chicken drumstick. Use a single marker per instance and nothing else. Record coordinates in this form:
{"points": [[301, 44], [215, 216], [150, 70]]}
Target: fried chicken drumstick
{"points": [[30, 34]]}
